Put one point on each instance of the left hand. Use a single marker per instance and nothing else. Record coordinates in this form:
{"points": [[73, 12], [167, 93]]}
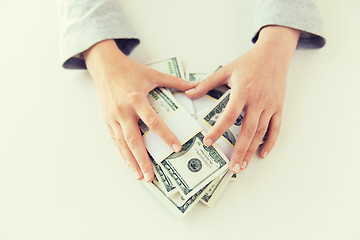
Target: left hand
{"points": [[258, 81]]}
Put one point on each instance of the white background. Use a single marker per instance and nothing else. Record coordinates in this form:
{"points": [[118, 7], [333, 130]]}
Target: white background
{"points": [[61, 177]]}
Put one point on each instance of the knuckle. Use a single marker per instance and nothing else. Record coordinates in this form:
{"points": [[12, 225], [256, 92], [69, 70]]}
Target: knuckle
{"points": [[176, 80], [119, 110], [121, 142], [239, 152], [135, 97], [250, 130], [154, 122], [261, 99], [260, 132], [113, 138], [133, 142]]}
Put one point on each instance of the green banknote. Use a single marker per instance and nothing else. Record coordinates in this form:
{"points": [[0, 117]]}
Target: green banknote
{"points": [[195, 165]]}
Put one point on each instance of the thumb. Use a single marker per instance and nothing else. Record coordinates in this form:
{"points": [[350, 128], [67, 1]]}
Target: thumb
{"points": [[216, 79], [170, 81]]}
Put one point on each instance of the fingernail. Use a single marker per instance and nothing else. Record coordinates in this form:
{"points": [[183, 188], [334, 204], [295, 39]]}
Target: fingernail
{"points": [[190, 91], [147, 177], [244, 165], [265, 154], [176, 148], [208, 142], [236, 168], [137, 175]]}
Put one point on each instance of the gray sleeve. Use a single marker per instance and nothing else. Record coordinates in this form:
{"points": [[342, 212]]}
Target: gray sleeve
{"points": [[84, 23], [298, 14]]}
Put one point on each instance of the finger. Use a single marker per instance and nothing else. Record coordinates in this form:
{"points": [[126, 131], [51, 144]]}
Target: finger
{"points": [[246, 135], [156, 124], [136, 145], [123, 147], [112, 135], [216, 79], [259, 134], [272, 135], [232, 111], [166, 80]]}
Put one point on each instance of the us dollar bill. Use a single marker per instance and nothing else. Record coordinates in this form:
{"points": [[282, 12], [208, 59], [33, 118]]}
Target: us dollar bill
{"points": [[183, 178], [199, 76], [164, 180], [176, 203], [173, 66], [214, 114], [196, 76], [195, 165], [215, 189], [218, 92]]}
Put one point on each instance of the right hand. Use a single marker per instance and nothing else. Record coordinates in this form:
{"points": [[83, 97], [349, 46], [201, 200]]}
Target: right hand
{"points": [[123, 86]]}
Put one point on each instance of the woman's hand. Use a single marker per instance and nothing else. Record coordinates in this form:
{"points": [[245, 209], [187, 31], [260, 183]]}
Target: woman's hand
{"points": [[123, 86], [257, 81]]}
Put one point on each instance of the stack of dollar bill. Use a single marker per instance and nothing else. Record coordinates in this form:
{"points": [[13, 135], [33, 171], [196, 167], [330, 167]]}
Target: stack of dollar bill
{"points": [[197, 173]]}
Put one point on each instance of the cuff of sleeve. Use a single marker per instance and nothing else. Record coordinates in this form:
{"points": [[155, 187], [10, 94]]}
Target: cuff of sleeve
{"points": [[302, 16], [76, 61], [82, 29]]}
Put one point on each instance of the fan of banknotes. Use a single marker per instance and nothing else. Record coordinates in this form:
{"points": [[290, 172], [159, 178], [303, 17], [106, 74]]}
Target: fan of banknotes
{"points": [[197, 173]]}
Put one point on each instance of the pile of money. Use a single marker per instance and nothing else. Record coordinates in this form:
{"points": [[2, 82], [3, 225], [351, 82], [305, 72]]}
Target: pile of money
{"points": [[197, 173]]}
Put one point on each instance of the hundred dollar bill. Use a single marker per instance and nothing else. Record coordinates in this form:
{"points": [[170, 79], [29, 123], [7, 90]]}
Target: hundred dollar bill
{"points": [[195, 165], [212, 186], [192, 76], [218, 92], [196, 76], [172, 66], [176, 203], [165, 181], [215, 189]]}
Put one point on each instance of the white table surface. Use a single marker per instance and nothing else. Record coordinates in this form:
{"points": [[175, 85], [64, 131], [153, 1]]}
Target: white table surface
{"points": [[62, 178]]}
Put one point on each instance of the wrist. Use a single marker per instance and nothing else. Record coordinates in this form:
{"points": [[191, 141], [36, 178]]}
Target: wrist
{"points": [[101, 59], [278, 41]]}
